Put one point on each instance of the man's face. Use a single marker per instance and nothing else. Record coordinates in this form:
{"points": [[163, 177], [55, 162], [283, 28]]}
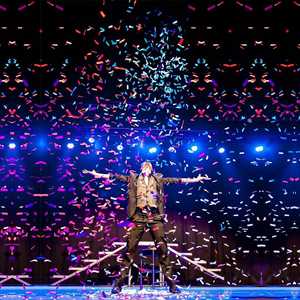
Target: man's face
{"points": [[146, 170]]}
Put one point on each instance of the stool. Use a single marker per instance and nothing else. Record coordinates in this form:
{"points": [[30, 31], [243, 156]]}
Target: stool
{"points": [[148, 252], [152, 248]]}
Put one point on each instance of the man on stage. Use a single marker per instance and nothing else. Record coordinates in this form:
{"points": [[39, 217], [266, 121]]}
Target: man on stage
{"points": [[146, 210]]}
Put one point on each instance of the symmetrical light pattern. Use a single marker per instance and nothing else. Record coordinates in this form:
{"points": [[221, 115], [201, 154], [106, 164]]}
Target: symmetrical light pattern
{"points": [[144, 81]]}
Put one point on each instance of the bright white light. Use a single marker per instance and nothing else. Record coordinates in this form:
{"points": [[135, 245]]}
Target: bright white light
{"points": [[12, 146], [259, 148], [152, 150], [120, 147], [221, 150], [70, 145], [193, 149]]}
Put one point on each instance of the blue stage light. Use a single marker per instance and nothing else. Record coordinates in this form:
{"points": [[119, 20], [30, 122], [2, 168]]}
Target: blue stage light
{"points": [[152, 150], [41, 143], [221, 150], [12, 146], [70, 146], [259, 148], [120, 147], [91, 140], [193, 149]]}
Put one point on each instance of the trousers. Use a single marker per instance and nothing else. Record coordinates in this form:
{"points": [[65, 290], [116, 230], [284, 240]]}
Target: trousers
{"points": [[135, 234]]}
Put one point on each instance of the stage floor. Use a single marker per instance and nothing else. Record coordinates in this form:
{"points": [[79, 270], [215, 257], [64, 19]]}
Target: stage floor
{"points": [[188, 293]]}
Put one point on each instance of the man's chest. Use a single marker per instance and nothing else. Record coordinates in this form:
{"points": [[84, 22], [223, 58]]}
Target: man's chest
{"points": [[146, 183]]}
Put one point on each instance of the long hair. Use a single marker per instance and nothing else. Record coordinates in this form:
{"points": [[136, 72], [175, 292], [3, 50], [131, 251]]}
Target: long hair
{"points": [[147, 163]]}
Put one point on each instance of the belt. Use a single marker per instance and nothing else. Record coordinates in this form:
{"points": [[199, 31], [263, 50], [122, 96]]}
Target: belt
{"points": [[147, 210]]}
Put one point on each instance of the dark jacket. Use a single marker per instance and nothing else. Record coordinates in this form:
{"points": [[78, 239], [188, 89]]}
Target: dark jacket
{"points": [[132, 189]]}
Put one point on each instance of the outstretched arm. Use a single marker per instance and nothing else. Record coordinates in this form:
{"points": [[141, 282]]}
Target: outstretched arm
{"points": [[199, 178], [106, 176], [95, 174]]}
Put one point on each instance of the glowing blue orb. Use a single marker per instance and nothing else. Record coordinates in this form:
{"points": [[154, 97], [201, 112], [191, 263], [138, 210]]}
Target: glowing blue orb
{"points": [[152, 150], [120, 147], [193, 149], [259, 148], [221, 150]]}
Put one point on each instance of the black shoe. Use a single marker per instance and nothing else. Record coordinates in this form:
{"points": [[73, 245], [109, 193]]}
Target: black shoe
{"points": [[174, 289], [116, 290], [116, 287], [172, 285]]}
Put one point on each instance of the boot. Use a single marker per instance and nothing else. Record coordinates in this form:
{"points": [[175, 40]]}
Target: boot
{"points": [[174, 289], [116, 287], [172, 285]]}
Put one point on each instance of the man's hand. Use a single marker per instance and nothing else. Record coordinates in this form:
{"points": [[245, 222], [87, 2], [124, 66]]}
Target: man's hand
{"points": [[200, 178], [85, 171], [95, 174]]}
